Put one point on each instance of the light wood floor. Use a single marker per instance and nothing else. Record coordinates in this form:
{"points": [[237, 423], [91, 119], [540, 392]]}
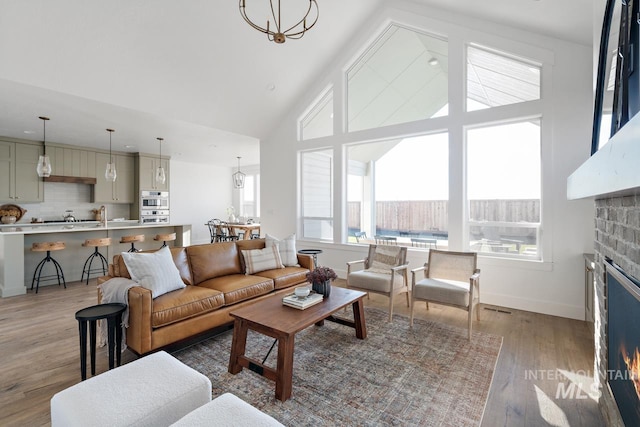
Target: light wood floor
{"points": [[39, 356]]}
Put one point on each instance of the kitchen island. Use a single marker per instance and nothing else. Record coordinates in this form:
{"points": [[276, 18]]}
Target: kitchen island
{"points": [[17, 262]]}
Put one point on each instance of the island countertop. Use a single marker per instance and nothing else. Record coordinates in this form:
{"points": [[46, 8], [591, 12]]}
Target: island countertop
{"points": [[18, 262], [67, 227]]}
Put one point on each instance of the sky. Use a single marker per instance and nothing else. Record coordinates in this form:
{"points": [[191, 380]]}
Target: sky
{"points": [[503, 162]]}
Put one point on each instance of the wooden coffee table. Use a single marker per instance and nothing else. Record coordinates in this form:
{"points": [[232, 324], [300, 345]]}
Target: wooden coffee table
{"points": [[270, 317]]}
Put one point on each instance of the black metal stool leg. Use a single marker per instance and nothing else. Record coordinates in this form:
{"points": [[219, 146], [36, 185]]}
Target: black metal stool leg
{"points": [[59, 272], [38, 272], [133, 248]]}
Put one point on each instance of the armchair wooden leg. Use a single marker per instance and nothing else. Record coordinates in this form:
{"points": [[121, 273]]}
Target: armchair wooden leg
{"points": [[408, 298], [470, 321], [411, 313], [391, 307], [477, 306]]}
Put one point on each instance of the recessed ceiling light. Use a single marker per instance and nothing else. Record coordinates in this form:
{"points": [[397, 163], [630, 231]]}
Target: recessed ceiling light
{"points": [[271, 87], [433, 61], [29, 132], [129, 146]]}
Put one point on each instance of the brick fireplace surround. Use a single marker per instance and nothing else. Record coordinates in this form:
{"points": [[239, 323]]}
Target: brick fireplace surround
{"points": [[617, 237]]}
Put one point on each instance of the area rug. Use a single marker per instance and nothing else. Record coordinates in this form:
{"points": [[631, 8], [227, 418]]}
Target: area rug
{"points": [[428, 375]]}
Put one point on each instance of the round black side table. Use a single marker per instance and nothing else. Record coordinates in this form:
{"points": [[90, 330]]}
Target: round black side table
{"points": [[313, 252], [112, 312]]}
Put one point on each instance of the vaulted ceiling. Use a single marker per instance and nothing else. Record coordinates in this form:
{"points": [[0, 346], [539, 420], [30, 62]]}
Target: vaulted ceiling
{"points": [[192, 72]]}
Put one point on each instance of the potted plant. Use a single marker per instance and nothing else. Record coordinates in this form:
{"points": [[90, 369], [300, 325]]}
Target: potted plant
{"points": [[320, 279]]}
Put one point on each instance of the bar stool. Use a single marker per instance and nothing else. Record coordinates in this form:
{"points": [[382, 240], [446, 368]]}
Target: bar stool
{"points": [[112, 312], [132, 239], [95, 243], [169, 237], [48, 247]]}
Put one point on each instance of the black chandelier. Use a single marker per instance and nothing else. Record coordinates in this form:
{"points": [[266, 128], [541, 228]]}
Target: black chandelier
{"points": [[280, 34]]}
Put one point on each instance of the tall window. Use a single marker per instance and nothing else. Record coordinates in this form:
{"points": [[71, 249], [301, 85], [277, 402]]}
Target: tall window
{"points": [[504, 188], [317, 194], [250, 196], [398, 191]]}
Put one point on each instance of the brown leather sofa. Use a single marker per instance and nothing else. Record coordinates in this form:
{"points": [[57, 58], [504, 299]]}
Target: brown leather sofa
{"points": [[216, 284]]}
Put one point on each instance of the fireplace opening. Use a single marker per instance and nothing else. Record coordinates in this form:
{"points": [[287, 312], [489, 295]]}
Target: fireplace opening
{"points": [[623, 341]]}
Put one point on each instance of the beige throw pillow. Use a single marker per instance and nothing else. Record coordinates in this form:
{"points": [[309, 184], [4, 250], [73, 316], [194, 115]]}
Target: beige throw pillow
{"points": [[286, 247], [257, 260], [384, 258]]}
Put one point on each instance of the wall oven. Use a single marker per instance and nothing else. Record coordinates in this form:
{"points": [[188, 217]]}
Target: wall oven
{"points": [[154, 207], [155, 200], [154, 216]]}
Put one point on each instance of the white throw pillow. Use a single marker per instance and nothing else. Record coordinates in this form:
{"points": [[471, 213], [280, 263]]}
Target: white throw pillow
{"points": [[155, 271], [257, 260], [286, 247]]}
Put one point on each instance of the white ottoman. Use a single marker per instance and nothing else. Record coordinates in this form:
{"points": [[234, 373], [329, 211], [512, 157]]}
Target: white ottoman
{"points": [[155, 390], [226, 410]]}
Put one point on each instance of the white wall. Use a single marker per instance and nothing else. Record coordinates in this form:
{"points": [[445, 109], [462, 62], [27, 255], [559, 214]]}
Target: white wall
{"points": [[199, 193], [555, 286]]}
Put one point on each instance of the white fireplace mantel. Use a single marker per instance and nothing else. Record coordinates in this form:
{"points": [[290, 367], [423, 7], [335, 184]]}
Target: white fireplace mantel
{"points": [[612, 171]]}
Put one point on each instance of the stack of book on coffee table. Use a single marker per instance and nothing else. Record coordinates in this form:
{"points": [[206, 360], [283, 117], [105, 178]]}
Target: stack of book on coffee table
{"points": [[292, 300]]}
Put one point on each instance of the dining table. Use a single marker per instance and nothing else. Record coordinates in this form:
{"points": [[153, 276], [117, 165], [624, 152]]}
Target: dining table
{"points": [[247, 229]]}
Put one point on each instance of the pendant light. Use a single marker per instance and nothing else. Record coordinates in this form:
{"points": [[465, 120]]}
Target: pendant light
{"points": [[238, 177], [110, 173], [44, 164], [161, 177]]}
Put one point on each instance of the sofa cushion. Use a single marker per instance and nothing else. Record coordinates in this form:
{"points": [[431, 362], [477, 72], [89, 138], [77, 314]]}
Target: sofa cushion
{"points": [[213, 260], [179, 258], [256, 260], [239, 287], [184, 303], [285, 277], [155, 271], [286, 247]]}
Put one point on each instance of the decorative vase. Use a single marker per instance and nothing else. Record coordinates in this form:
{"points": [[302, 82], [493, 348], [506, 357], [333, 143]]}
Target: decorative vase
{"points": [[323, 288], [232, 218]]}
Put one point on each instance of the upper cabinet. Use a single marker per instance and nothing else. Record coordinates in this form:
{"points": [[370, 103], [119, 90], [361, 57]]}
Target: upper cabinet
{"points": [[147, 166], [75, 162], [19, 181], [120, 191]]}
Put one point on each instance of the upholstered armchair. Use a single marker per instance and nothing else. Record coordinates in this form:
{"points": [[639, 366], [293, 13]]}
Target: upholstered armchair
{"points": [[449, 278], [384, 272]]}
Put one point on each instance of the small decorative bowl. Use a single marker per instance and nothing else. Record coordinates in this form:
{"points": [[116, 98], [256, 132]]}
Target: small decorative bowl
{"points": [[302, 291], [9, 219]]}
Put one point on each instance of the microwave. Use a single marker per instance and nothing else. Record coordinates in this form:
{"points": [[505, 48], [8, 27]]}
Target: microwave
{"points": [[154, 200]]}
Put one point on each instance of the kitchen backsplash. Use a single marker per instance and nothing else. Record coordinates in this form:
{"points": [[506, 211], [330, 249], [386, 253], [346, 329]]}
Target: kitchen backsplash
{"points": [[58, 197]]}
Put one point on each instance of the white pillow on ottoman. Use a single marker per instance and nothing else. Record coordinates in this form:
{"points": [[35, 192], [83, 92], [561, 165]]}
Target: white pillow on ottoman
{"points": [[155, 271], [287, 248]]}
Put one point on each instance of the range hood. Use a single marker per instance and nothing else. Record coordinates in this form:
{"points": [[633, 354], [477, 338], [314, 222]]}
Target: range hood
{"points": [[71, 179]]}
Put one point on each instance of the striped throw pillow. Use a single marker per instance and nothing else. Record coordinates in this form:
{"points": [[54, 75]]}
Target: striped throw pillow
{"points": [[257, 260]]}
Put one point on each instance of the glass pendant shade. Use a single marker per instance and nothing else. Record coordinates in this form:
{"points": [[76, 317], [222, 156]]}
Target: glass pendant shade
{"points": [[161, 177], [238, 177], [44, 166], [44, 163], [110, 173]]}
